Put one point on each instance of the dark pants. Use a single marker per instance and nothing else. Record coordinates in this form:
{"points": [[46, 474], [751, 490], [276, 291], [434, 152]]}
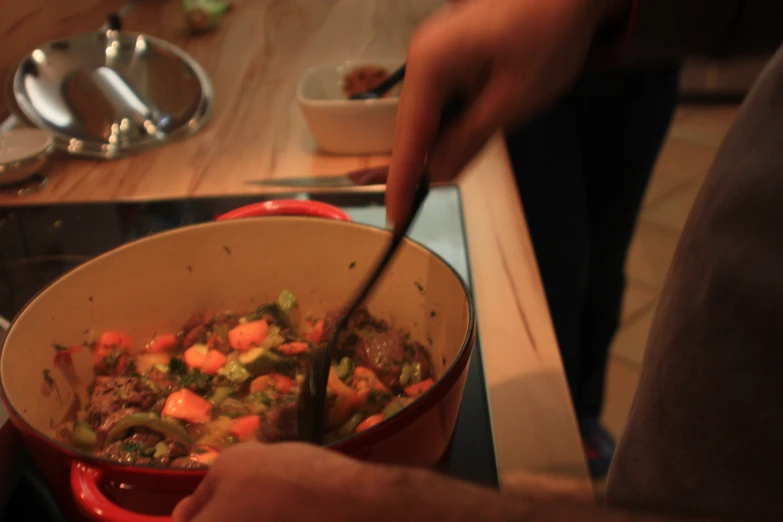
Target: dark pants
{"points": [[582, 170]]}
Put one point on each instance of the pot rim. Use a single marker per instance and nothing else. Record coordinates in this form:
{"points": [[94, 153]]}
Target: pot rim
{"points": [[355, 442]]}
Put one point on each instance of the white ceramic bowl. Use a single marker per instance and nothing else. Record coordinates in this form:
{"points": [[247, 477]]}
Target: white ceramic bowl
{"points": [[342, 126]]}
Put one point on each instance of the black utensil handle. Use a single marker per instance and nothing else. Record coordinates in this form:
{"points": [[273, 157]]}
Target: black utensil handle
{"points": [[389, 82], [311, 428], [311, 409], [312, 400], [397, 236]]}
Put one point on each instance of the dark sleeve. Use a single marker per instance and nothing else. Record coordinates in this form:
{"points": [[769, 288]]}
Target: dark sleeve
{"points": [[667, 29], [705, 434]]}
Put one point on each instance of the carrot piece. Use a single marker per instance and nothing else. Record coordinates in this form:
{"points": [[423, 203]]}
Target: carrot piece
{"points": [[363, 388], [414, 390], [244, 428], [344, 403], [186, 405], [362, 373], [146, 361], [248, 335], [259, 384], [317, 332], [204, 455], [281, 383], [338, 386], [294, 348], [110, 341], [341, 409], [369, 422], [161, 343], [195, 355], [213, 361]]}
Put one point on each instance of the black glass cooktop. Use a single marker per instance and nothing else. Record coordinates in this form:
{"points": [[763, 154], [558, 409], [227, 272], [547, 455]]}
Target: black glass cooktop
{"points": [[40, 242]]}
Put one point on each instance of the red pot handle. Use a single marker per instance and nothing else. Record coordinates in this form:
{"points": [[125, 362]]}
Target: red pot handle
{"points": [[287, 207], [85, 483]]}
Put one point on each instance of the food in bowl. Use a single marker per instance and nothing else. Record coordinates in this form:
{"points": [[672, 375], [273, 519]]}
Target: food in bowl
{"points": [[362, 79], [227, 378], [343, 126]]}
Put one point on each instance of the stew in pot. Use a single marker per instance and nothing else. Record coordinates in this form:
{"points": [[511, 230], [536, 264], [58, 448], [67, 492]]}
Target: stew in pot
{"points": [[226, 378]]}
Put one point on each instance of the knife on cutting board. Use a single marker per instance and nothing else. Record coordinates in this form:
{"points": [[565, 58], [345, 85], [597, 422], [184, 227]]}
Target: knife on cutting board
{"points": [[355, 178]]}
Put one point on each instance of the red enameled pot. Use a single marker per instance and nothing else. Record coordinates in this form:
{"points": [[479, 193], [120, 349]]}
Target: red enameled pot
{"points": [[156, 283]]}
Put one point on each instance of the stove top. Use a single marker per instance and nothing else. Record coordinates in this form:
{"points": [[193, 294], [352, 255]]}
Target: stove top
{"points": [[40, 242]]}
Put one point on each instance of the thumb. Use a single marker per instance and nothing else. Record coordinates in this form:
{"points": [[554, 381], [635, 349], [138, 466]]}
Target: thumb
{"points": [[189, 507]]}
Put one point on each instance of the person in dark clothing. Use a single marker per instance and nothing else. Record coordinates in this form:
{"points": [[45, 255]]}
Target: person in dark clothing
{"points": [[703, 439], [582, 168]]}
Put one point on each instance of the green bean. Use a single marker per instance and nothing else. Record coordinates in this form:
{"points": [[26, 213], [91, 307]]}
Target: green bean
{"points": [[416, 375], [406, 374], [83, 435], [170, 428], [350, 427], [345, 368], [220, 394], [395, 407]]}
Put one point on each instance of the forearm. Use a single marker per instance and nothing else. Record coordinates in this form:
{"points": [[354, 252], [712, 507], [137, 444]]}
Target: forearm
{"points": [[429, 497], [672, 29]]}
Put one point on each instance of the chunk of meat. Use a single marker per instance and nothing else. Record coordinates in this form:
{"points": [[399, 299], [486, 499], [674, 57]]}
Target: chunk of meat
{"points": [[112, 394], [197, 327], [162, 380], [383, 353], [361, 318], [138, 449], [195, 336], [280, 423], [216, 342], [175, 449], [201, 318], [159, 405], [227, 320], [360, 322]]}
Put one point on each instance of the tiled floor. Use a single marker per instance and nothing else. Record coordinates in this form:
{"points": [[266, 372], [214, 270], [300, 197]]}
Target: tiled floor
{"points": [[682, 166]]}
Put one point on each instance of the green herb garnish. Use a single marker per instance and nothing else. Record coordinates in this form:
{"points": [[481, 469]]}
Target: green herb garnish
{"points": [[177, 366]]}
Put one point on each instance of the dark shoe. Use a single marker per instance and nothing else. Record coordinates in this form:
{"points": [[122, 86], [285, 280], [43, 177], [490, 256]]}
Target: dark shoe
{"points": [[598, 445]]}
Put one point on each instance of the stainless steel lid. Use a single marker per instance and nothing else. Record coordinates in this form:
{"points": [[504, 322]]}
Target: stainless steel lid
{"points": [[112, 93]]}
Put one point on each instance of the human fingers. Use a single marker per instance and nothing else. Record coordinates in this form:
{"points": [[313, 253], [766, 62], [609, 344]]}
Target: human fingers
{"points": [[187, 508], [468, 134], [444, 57], [231, 464], [417, 121]]}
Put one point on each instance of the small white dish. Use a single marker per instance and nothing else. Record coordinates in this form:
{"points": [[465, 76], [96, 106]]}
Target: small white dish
{"points": [[343, 126]]}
